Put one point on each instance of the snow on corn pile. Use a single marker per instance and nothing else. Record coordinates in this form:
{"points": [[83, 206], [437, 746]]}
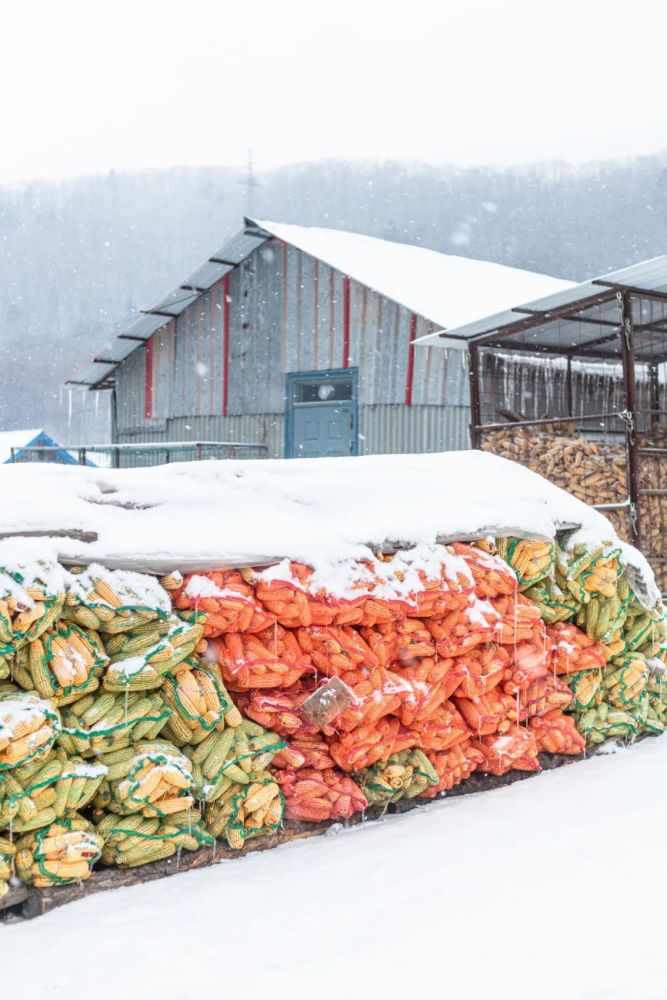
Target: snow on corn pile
{"points": [[230, 702], [544, 881], [318, 511]]}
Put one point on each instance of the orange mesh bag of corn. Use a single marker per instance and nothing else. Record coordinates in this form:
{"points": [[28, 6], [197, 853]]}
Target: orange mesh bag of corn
{"points": [[279, 710], [315, 796], [555, 732], [518, 619], [453, 766], [572, 650], [378, 692], [304, 751], [336, 649], [463, 629], [514, 750], [284, 591], [541, 696], [368, 744], [481, 669], [402, 641], [382, 641], [269, 659], [488, 713], [528, 662], [227, 601], [429, 683], [443, 729], [492, 577]]}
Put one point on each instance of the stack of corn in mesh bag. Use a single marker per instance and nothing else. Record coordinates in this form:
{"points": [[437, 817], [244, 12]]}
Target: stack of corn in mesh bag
{"points": [[140, 717]]}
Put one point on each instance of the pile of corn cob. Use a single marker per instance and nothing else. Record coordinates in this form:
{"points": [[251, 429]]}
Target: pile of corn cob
{"points": [[120, 743]]}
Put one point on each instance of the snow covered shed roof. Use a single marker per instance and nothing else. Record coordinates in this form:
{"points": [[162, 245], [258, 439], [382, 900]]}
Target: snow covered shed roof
{"points": [[575, 316], [19, 440], [443, 288]]}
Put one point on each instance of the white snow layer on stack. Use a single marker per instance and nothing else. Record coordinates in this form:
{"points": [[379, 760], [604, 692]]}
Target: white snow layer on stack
{"points": [[204, 515]]}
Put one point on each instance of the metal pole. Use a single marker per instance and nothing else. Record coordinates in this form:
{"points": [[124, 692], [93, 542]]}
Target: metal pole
{"points": [[569, 385], [82, 456], [12, 455], [198, 452], [628, 359], [654, 387], [116, 458], [475, 407]]}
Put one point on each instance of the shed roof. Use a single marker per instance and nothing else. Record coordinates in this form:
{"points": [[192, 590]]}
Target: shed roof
{"points": [[444, 288], [578, 319]]}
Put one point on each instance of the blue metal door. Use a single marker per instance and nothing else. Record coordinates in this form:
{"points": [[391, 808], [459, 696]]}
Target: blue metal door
{"points": [[321, 415]]}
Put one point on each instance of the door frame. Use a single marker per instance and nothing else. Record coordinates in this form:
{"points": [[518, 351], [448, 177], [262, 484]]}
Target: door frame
{"points": [[329, 373]]}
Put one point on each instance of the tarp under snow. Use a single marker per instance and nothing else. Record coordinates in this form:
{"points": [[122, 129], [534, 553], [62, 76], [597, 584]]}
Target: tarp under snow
{"points": [[202, 515]]}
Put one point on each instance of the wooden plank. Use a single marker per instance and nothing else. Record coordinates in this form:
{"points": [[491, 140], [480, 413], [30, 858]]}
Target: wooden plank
{"points": [[40, 901], [17, 894], [76, 533]]}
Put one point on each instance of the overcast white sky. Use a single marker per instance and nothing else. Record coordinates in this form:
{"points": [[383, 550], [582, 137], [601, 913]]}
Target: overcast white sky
{"points": [[90, 85]]}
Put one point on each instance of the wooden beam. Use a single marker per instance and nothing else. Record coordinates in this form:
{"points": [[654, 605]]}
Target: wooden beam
{"points": [[76, 533]]}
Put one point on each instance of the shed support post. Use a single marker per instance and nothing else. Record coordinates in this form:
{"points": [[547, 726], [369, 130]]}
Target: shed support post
{"points": [[654, 389], [475, 407], [628, 359], [569, 385]]}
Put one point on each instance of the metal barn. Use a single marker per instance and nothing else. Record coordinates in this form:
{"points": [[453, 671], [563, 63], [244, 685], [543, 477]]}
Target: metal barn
{"points": [[302, 340]]}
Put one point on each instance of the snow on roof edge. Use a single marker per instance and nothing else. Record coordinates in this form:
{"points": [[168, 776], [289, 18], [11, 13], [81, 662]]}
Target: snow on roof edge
{"points": [[447, 289]]}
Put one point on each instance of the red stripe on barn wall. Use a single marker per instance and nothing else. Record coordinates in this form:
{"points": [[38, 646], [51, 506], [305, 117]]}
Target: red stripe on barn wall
{"points": [[409, 375], [226, 314], [346, 322], [148, 387]]}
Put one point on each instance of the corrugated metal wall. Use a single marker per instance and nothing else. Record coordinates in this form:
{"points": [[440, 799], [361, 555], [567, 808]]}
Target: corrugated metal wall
{"points": [[280, 311], [384, 429]]}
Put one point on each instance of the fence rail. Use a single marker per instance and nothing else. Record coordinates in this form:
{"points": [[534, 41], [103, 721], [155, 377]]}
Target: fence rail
{"points": [[144, 453]]}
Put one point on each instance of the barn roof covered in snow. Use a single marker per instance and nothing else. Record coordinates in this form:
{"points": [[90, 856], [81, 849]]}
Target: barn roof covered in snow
{"points": [[444, 288]]}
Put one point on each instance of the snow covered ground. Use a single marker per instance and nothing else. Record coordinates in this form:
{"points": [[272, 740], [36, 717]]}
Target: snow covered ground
{"points": [[553, 887]]}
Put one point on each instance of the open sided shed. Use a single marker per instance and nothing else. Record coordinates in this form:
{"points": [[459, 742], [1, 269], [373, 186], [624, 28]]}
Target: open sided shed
{"points": [[573, 385]]}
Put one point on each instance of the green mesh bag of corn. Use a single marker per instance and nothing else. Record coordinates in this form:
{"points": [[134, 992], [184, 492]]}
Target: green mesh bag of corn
{"points": [[531, 559], [242, 812], [555, 605], [603, 616], [7, 852], [604, 722], [104, 721], [138, 840], [199, 703], [41, 792], [140, 659], [624, 681], [31, 600], [585, 687], [6, 661], [29, 727], [235, 756], [114, 601], [403, 776], [62, 664], [152, 777], [58, 854]]}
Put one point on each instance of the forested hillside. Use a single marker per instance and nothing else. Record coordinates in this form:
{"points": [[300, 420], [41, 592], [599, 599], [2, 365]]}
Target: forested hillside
{"points": [[79, 258]]}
